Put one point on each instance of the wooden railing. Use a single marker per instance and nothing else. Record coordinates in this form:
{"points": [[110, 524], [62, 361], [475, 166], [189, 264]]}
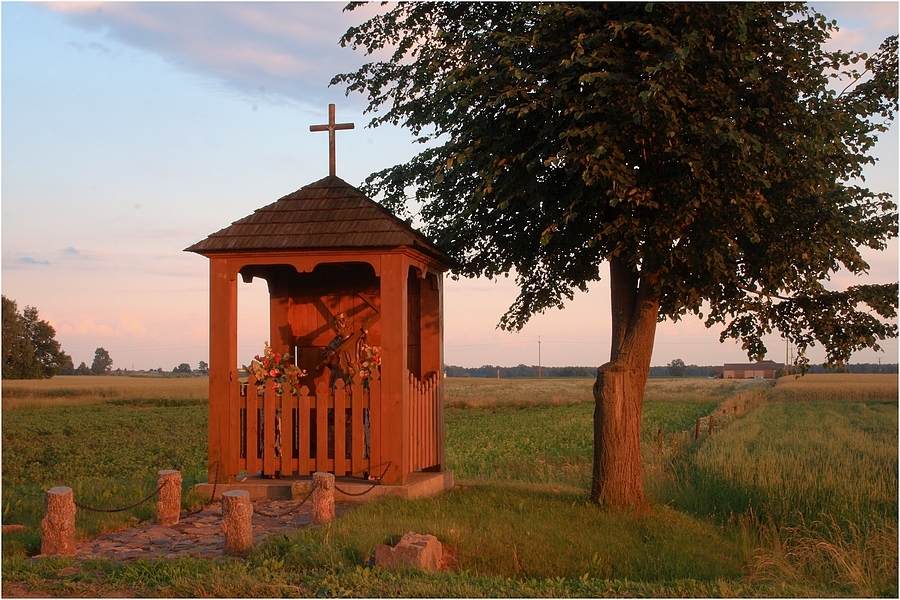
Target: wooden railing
{"points": [[426, 424], [335, 431], [287, 434]]}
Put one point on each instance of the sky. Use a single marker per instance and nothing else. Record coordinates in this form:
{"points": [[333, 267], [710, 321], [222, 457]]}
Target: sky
{"points": [[132, 130]]}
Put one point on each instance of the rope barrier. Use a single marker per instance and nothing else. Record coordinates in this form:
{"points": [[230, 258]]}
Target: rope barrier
{"points": [[114, 510], [287, 512], [212, 496], [373, 486]]}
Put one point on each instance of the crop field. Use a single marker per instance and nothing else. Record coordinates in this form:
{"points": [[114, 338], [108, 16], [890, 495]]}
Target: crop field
{"points": [[790, 495], [69, 390]]}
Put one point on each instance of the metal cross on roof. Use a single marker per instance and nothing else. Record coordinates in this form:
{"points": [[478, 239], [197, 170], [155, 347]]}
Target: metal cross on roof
{"points": [[331, 127]]}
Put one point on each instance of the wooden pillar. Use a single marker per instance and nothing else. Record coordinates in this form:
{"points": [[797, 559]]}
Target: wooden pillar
{"points": [[224, 397], [168, 507], [432, 327], [280, 330], [322, 497], [237, 514], [394, 417], [58, 525]]}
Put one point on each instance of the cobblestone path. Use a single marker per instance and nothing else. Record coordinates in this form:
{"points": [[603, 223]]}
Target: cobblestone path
{"points": [[199, 534]]}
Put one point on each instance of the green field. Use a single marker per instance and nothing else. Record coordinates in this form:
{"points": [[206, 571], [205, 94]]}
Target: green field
{"points": [[790, 495]]}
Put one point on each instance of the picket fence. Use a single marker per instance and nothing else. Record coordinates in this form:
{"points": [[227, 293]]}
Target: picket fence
{"points": [[287, 434]]}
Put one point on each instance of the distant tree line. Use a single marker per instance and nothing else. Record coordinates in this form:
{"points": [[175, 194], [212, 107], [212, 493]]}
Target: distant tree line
{"points": [[673, 369], [31, 351], [520, 371]]}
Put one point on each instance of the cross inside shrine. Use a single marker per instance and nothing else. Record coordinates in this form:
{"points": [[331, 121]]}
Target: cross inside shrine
{"points": [[344, 277]]}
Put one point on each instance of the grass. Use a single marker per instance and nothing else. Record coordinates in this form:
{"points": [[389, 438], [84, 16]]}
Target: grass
{"points": [[793, 461], [495, 393], [784, 499]]}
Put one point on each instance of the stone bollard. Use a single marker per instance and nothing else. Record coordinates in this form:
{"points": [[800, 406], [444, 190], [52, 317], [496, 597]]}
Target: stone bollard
{"points": [[168, 509], [58, 525], [323, 497], [236, 521]]}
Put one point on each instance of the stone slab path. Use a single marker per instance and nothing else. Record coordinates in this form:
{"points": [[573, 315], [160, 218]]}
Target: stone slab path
{"points": [[199, 534]]}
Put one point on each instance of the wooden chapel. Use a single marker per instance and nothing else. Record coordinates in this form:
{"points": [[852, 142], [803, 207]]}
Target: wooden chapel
{"points": [[343, 274]]}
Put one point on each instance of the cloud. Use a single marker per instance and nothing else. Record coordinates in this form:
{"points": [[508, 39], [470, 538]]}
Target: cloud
{"points": [[84, 255], [289, 49], [125, 325], [27, 260], [22, 261]]}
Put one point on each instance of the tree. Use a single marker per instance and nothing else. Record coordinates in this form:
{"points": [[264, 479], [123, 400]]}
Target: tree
{"points": [[83, 369], [30, 348], [102, 364], [677, 368], [182, 368], [203, 367], [698, 149], [68, 368]]}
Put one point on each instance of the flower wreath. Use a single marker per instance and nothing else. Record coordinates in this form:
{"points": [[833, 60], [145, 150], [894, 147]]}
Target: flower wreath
{"points": [[277, 368]]}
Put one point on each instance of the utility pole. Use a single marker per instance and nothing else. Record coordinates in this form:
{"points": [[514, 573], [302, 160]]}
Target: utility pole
{"points": [[787, 369], [539, 357]]}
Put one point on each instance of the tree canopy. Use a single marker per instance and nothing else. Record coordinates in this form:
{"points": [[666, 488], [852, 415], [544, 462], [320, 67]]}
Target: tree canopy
{"points": [[102, 364], [30, 348], [709, 150]]}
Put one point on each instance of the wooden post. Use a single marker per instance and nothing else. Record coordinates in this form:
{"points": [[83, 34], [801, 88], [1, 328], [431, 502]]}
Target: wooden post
{"points": [[710, 424], [393, 419], [659, 441], [323, 497], [697, 430], [224, 398], [168, 508], [236, 521], [58, 525]]}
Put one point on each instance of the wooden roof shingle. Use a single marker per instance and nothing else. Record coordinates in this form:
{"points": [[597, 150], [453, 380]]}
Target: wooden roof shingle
{"points": [[326, 214]]}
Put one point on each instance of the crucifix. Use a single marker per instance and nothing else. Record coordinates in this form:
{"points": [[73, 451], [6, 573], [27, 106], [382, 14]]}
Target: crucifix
{"points": [[331, 128]]}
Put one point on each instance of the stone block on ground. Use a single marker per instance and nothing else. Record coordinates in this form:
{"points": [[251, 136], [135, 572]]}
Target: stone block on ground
{"points": [[413, 551], [300, 489]]}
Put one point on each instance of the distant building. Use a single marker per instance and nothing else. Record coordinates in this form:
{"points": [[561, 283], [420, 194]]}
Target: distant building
{"points": [[759, 370]]}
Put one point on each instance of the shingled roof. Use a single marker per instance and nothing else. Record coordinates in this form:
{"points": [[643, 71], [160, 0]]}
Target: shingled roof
{"points": [[327, 214]]}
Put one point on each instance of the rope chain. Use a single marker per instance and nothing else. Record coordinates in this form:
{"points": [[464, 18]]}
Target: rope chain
{"points": [[211, 496], [114, 510], [372, 486], [287, 512]]}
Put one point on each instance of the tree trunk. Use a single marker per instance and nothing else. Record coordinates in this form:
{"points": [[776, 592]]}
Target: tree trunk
{"points": [[617, 479], [58, 525], [237, 522], [323, 497]]}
